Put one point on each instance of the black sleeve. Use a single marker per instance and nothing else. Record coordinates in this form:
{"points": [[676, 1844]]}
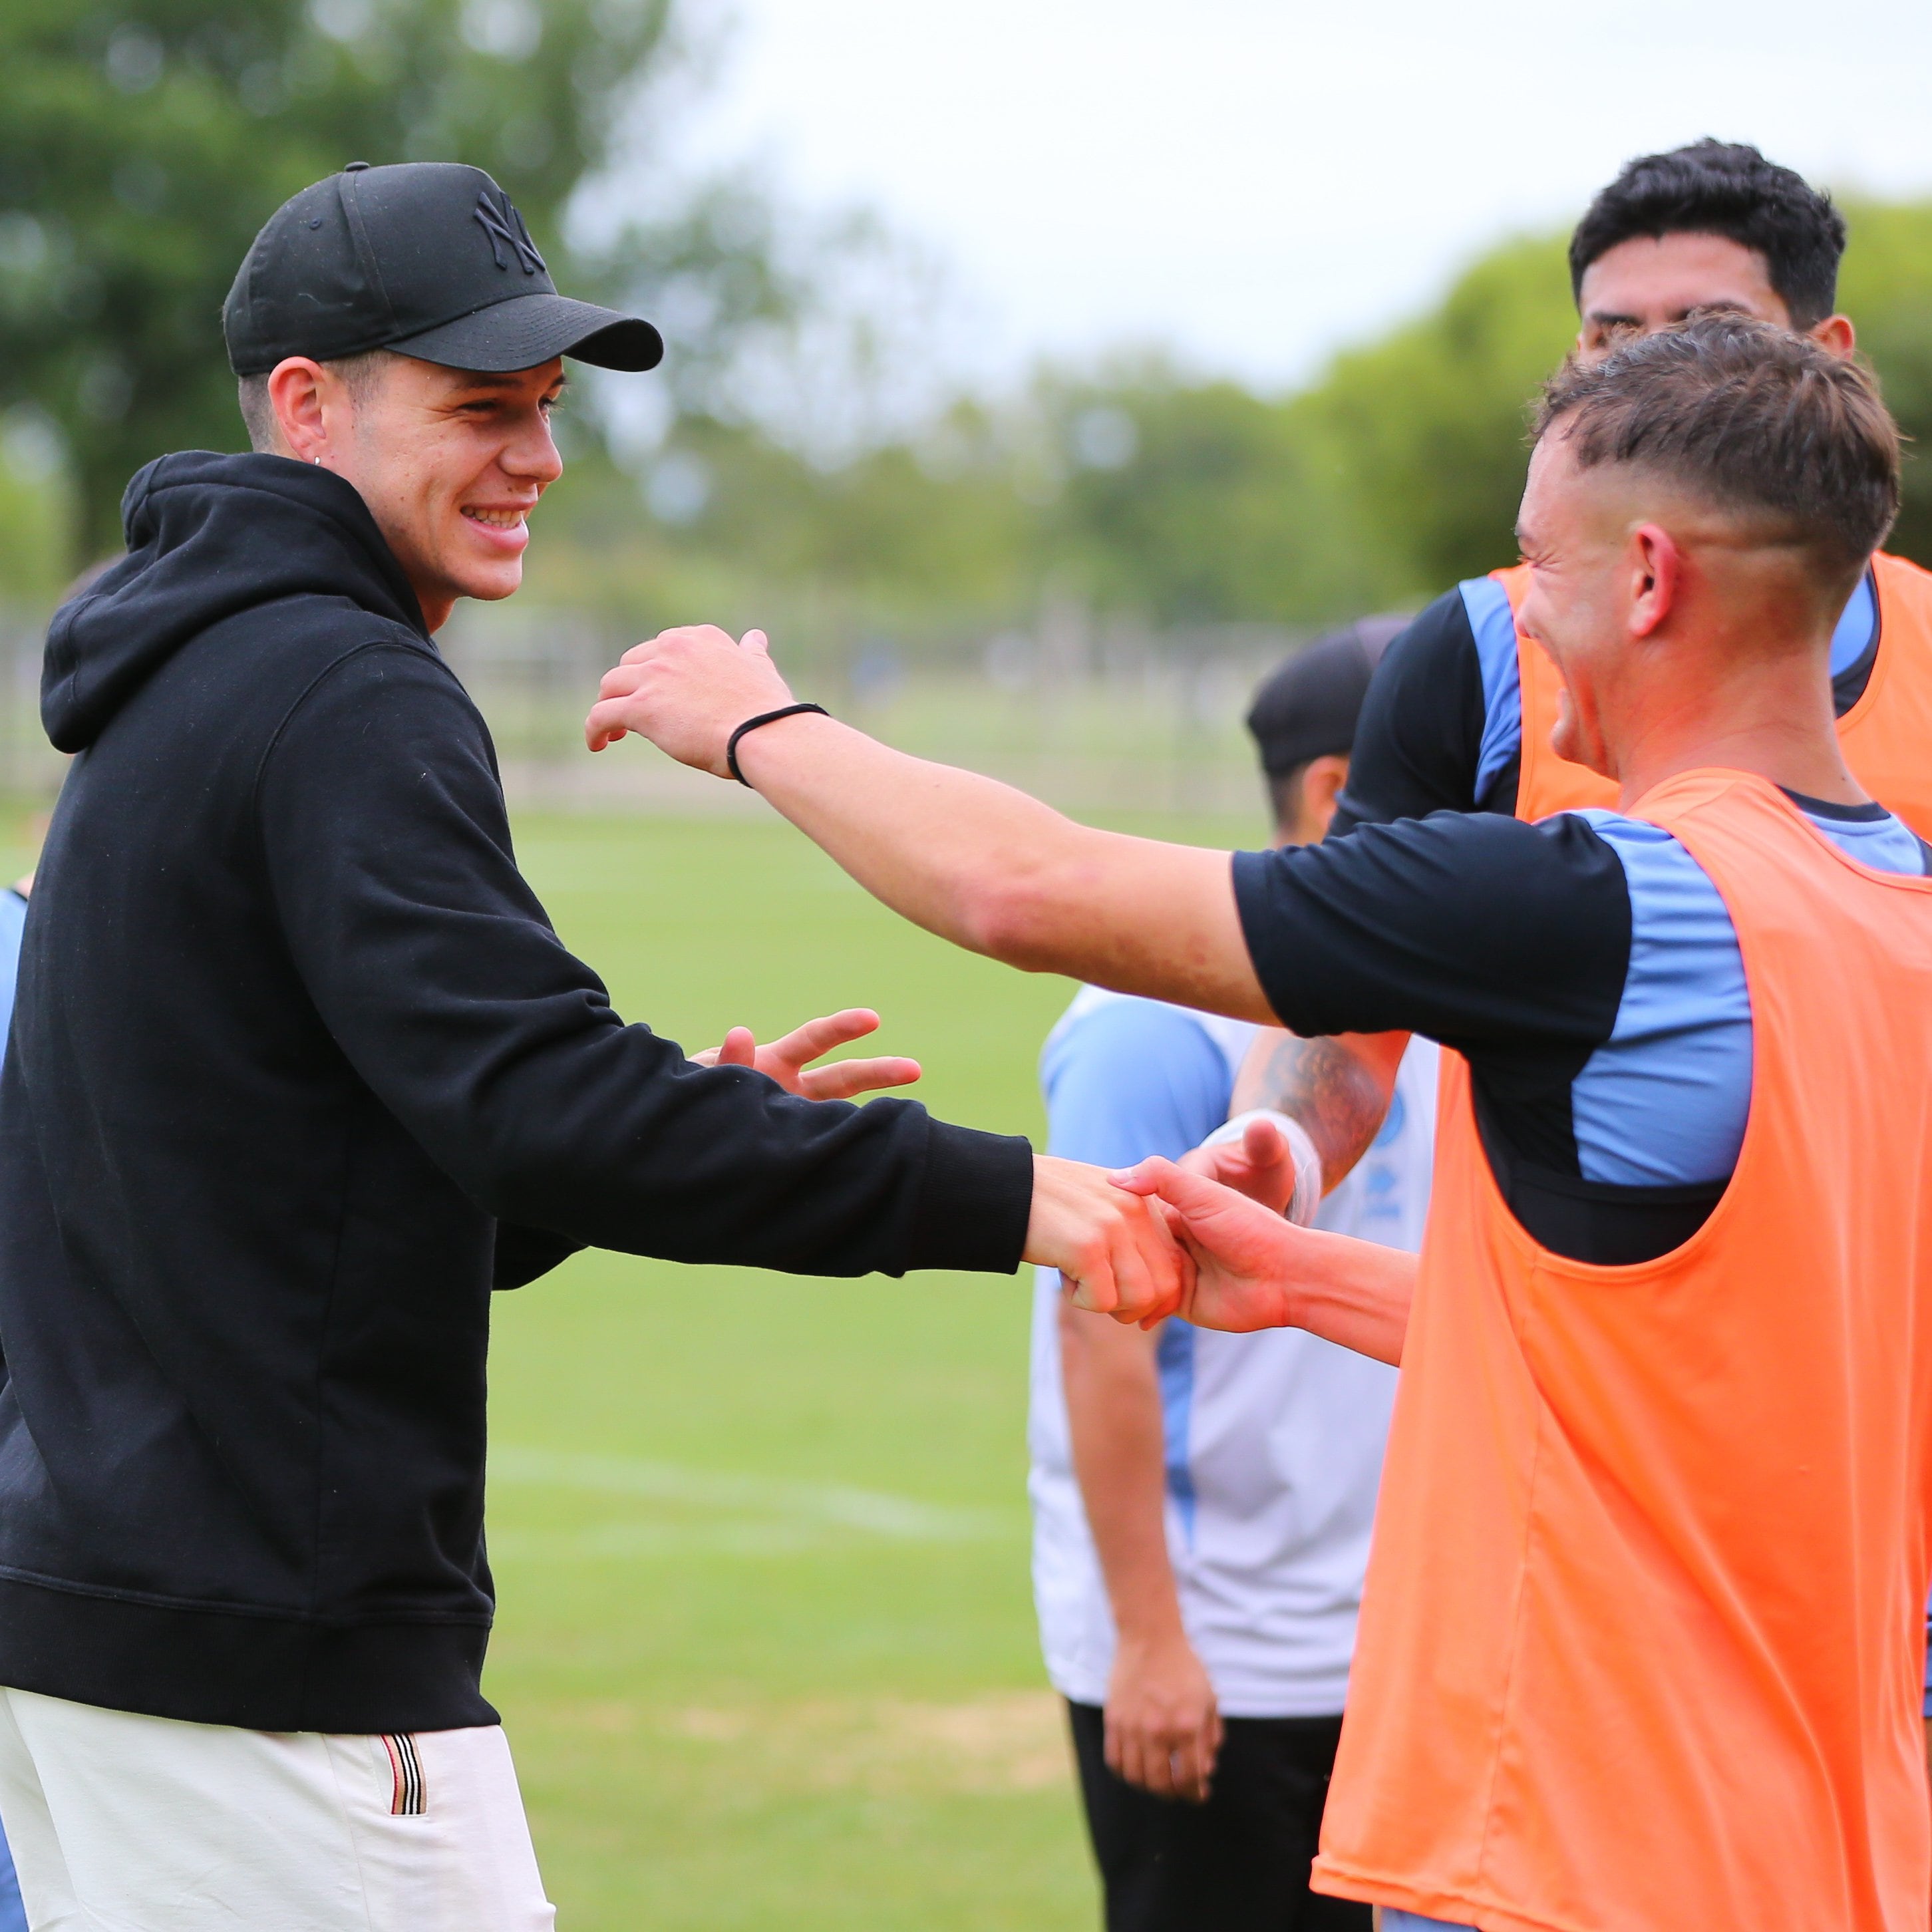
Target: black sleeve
{"points": [[523, 1254], [1509, 942], [1420, 732], [433, 966]]}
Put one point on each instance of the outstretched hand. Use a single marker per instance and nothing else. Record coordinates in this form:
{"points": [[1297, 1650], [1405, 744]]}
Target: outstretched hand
{"points": [[687, 691], [787, 1060], [1124, 1264]]}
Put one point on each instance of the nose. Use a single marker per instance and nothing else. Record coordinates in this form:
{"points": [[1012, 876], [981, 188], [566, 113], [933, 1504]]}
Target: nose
{"points": [[532, 455]]}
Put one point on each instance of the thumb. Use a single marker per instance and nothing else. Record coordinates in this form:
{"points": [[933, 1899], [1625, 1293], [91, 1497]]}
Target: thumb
{"points": [[1188, 1192], [757, 640], [1263, 1143], [740, 1048]]}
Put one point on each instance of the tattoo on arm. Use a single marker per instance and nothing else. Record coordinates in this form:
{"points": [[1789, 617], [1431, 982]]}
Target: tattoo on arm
{"points": [[1325, 1085]]}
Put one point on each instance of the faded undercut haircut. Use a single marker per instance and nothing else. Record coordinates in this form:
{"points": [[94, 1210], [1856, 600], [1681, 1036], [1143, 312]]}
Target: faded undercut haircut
{"points": [[1753, 419], [358, 373]]}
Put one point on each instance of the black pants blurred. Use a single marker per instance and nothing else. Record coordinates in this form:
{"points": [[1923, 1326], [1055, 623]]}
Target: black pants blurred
{"points": [[1238, 1863]]}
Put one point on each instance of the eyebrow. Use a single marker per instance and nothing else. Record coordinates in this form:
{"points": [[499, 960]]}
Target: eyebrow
{"points": [[484, 381], [1612, 319]]}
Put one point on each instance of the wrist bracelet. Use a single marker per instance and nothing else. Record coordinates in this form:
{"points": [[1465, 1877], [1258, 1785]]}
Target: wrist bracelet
{"points": [[752, 724]]}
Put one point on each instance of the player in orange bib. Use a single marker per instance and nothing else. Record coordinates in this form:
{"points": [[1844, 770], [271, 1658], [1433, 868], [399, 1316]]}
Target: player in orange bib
{"points": [[1459, 716], [1640, 1646]]}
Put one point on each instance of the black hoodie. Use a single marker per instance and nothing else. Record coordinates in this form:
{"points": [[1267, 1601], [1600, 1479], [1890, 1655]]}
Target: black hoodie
{"points": [[298, 1068]]}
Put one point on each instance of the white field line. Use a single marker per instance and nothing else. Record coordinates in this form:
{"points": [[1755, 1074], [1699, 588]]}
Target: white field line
{"points": [[772, 1517]]}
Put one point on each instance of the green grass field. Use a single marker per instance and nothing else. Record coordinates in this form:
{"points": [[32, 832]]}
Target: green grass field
{"points": [[765, 1646]]}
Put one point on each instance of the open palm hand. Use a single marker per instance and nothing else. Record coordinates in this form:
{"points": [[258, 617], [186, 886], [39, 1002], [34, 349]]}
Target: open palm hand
{"points": [[788, 1061]]}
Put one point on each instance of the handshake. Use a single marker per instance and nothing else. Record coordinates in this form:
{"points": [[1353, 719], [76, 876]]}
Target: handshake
{"points": [[1203, 1238]]}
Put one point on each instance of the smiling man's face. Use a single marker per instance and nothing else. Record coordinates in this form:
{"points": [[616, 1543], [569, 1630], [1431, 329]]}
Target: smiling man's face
{"points": [[451, 462]]}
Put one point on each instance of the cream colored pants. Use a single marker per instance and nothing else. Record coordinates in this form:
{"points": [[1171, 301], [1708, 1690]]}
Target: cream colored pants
{"points": [[121, 1823]]}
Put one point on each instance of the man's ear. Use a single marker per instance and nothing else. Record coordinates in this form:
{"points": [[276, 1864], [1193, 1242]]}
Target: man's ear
{"points": [[1656, 567], [297, 394], [1322, 779], [1836, 334]]}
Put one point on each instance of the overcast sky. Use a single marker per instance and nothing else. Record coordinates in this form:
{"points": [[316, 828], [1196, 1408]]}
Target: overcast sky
{"points": [[1251, 183]]}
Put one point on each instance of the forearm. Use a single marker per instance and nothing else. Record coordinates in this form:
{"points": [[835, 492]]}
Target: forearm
{"points": [[1114, 1418], [1338, 1088], [991, 869], [1355, 1293]]}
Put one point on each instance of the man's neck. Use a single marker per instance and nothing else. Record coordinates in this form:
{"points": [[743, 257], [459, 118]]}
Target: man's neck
{"points": [[436, 610], [1774, 719]]}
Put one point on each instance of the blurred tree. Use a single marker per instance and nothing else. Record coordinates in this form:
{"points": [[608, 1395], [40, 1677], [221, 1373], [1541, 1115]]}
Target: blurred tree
{"points": [[1886, 288], [1426, 426], [1143, 491], [1423, 431], [1193, 502], [143, 142]]}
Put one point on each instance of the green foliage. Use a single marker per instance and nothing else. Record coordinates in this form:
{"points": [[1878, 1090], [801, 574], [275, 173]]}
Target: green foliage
{"points": [[1196, 503], [1137, 493], [1181, 502], [143, 142], [36, 513], [1886, 288], [1427, 425]]}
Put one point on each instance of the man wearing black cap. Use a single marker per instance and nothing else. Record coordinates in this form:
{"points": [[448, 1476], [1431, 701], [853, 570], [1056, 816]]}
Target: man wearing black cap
{"points": [[1202, 1501], [299, 1071]]}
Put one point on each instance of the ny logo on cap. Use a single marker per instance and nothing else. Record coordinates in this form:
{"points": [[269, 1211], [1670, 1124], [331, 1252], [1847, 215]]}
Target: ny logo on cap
{"points": [[504, 228]]}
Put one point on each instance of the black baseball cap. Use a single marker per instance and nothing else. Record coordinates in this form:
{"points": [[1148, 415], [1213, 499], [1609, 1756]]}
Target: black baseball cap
{"points": [[428, 258], [1308, 708]]}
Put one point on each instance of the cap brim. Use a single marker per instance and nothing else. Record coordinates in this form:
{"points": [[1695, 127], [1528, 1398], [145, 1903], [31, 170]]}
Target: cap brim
{"points": [[526, 330]]}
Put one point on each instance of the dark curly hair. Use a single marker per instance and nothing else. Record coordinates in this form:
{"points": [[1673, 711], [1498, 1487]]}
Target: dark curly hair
{"points": [[1726, 188]]}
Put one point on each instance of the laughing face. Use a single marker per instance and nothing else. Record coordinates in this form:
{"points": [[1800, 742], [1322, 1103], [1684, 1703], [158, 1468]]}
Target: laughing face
{"points": [[451, 462]]}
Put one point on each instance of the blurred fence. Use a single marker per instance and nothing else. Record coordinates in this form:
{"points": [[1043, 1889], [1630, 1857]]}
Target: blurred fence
{"points": [[1106, 718], [1097, 718]]}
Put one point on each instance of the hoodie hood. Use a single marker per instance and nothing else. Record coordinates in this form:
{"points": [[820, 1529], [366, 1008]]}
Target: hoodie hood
{"points": [[209, 537]]}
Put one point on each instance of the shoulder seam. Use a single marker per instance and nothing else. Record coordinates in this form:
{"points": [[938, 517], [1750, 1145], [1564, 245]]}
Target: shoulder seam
{"points": [[407, 646]]}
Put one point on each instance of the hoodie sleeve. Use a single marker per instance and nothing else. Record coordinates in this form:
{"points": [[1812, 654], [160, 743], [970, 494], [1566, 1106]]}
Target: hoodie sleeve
{"points": [[434, 967]]}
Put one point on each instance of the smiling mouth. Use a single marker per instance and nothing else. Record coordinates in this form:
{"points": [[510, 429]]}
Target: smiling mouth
{"points": [[497, 519]]}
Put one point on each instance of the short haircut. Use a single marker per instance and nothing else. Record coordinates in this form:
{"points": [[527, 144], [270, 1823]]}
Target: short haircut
{"points": [[258, 414], [1726, 188], [1753, 419]]}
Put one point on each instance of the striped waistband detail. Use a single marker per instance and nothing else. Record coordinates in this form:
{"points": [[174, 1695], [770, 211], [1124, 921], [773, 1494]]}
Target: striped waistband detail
{"points": [[406, 1768]]}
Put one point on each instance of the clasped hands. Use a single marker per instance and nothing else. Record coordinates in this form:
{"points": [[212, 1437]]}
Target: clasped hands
{"points": [[1202, 1237], [1208, 1244]]}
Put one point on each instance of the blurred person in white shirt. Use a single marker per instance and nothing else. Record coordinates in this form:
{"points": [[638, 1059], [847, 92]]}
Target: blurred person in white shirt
{"points": [[1202, 1501]]}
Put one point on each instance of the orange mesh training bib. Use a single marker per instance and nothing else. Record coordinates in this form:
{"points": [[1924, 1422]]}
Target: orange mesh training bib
{"points": [[1887, 735], [1642, 1641]]}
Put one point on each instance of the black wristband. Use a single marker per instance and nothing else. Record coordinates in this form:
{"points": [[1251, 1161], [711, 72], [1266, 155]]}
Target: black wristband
{"points": [[752, 724]]}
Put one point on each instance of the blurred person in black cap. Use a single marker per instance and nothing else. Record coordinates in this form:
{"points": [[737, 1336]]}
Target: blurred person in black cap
{"points": [[1302, 722], [1202, 1501], [299, 1071]]}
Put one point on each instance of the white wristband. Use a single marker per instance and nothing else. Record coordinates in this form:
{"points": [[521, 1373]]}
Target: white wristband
{"points": [[1307, 1195]]}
